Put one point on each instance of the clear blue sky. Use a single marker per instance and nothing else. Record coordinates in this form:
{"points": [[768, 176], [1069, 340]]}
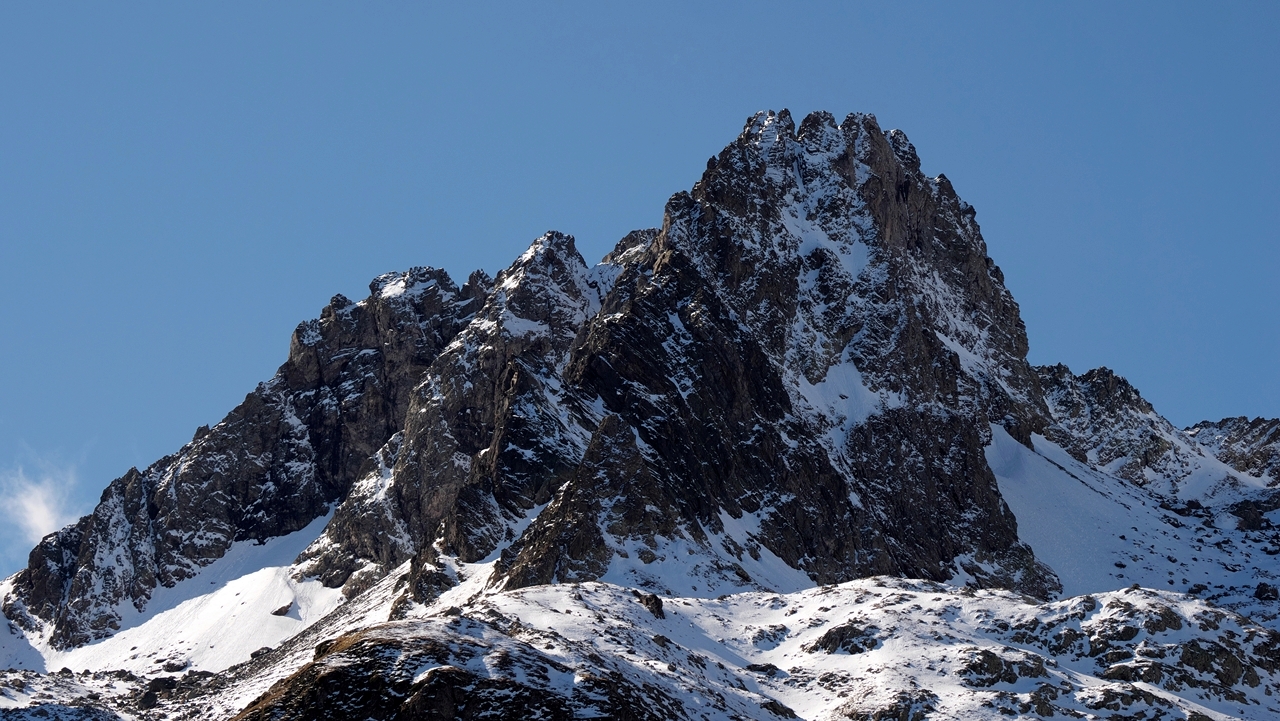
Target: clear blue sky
{"points": [[182, 183]]}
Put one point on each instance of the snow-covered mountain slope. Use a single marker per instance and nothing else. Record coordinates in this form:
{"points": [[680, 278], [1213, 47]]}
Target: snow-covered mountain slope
{"points": [[877, 648], [1099, 532], [810, 374], [1100, 419], [1249, 446], [240, 603]]}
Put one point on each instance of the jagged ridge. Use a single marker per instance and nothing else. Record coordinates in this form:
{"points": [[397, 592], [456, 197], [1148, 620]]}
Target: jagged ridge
{"points": [[794, 381]]}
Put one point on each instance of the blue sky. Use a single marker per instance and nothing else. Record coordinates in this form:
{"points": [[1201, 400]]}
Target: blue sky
{"points": [[182, 183]]}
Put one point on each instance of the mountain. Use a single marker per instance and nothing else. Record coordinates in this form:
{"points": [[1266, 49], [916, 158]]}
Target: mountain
{"points": [[686, 482], [1250, 446]]}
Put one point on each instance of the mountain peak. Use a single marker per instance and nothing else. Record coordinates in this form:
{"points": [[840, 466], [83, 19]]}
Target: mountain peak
{"points": [[550, 245], [767, 128]]}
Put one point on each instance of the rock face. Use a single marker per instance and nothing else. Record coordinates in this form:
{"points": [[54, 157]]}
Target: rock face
{"points": [[796, 294], [273, 465], [484, 440], [815, 341]]}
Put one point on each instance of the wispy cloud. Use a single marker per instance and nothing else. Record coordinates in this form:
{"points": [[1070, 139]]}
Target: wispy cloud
{"points": [[34, 505]]}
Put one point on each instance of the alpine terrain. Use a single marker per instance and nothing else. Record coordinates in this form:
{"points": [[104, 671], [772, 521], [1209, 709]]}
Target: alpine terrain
{"points": [[781, 457]]}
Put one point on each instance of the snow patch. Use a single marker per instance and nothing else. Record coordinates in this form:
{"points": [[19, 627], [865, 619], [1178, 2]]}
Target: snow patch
{"points": [[209, 622]]}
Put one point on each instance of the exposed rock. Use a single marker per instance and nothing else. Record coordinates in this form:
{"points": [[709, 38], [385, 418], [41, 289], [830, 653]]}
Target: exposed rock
{"points": [[849, 637], [652, 603], [905, 706], [1266, 592], [781, 283]]}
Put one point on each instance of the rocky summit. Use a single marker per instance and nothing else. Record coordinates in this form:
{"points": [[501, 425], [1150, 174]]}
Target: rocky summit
{"points": [[783, 456]]}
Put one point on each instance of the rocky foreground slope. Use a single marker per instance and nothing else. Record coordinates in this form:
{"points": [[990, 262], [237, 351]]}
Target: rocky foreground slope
{"points": [[811, 374], [877, 648]]}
